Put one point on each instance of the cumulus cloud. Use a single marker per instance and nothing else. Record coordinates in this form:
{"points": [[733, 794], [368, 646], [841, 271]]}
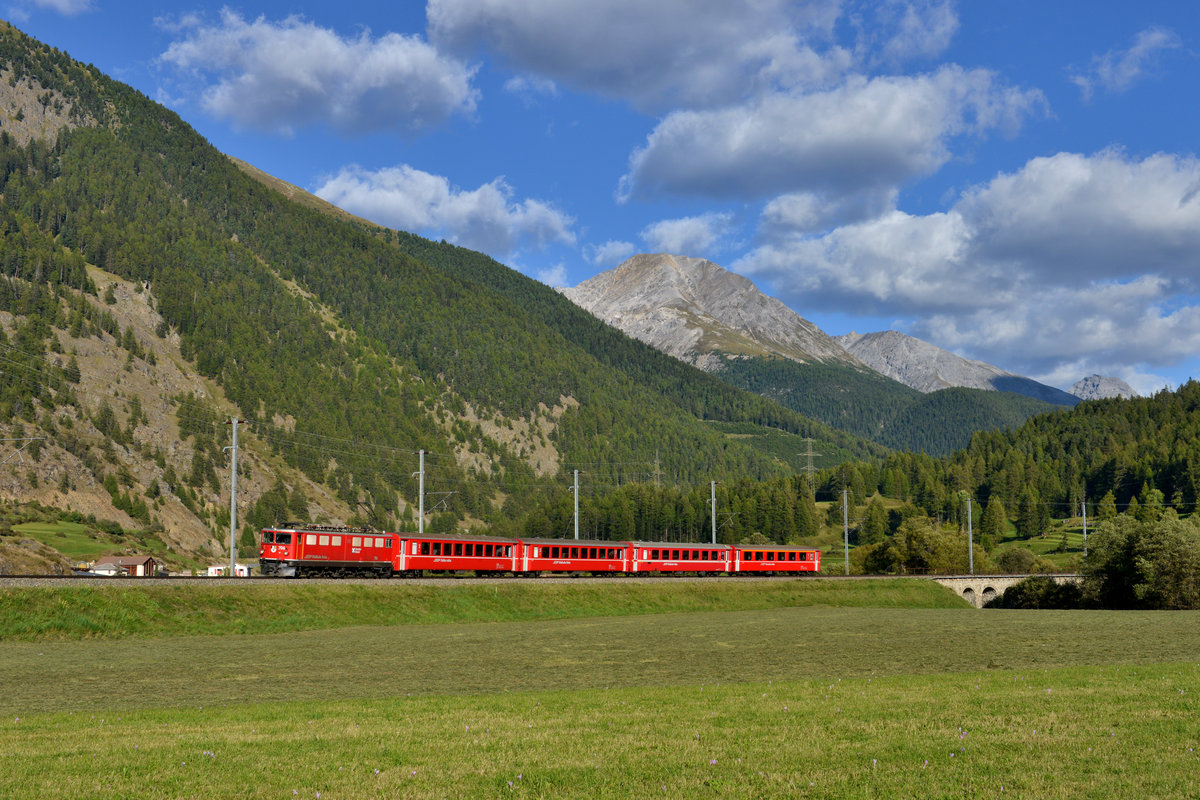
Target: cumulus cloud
{"points": [[486, 218], [1117, 70], [21, 9], [689, 236], [679, 53], [609, 254], [656, 55], [865, 135], [1073, 259], [278, 76]]}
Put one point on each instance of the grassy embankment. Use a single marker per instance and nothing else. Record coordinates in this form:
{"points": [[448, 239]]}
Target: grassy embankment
{"points": [[156, 610], [810, 700]]}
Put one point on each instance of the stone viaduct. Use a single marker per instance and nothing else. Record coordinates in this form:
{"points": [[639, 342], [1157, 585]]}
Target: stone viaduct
{"points": [[979, 589]]}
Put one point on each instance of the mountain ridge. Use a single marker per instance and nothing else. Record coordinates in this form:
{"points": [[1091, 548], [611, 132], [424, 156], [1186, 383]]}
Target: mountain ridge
{"points": [[692, 309], [928, 368]]}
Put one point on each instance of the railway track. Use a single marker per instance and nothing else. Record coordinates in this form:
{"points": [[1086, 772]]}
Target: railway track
{"points": [[15, 581]]}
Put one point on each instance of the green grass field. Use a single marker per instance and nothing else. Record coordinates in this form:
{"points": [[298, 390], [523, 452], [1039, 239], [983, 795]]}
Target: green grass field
{"points": [[797, 697]]}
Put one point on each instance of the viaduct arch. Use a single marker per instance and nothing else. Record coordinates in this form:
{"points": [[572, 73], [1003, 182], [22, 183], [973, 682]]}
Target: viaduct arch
{"points": [[979, 589]]}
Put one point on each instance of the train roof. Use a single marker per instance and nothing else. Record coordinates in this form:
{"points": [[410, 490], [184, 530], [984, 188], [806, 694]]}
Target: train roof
{"points": [[453, 537], [576, 542], [683, 545]]}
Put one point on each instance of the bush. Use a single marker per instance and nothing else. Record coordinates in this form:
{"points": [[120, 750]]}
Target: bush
{"points": [[1151, 564], [1040, 591]]}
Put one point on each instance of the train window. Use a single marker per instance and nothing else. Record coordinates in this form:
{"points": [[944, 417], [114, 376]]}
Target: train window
{"points": [[356, 541], [310, 538], [336, 541], [437, 548], [268, 537], [283, 538], [791, 556], [324, 540], [468, 549], [387, 543]]}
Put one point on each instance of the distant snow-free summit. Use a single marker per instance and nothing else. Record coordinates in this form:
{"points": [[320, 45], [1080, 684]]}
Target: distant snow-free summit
{"points": [[697, 311], [928, 368], [1102, 387]]}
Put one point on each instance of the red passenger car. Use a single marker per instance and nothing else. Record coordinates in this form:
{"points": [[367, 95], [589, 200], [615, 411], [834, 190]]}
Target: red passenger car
{"points": [[775, 558], [573, 555], [453, 553], [676, 557]]}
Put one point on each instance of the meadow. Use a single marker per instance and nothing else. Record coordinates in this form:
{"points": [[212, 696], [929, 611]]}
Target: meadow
{"points": [[795, 699]]}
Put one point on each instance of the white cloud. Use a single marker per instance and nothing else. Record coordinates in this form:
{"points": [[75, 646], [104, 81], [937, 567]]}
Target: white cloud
{"points": [[689, 236], [278, 76], [680, 53], [1117, 70], [655, 54], [913, 30], [486, 218], [809, 212], [609, 254], [1072, 260], [865, 135], [555, 276], [530, 88], [21, 9]]}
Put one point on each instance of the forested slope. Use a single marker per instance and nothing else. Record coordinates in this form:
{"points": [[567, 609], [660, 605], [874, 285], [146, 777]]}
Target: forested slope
{"points": [[325, 334], [864, 403]]}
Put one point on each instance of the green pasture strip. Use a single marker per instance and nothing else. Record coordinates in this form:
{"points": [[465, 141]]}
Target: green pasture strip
{"points": [[374, 662], [153, 610], [1079, 732], [72, 539]]}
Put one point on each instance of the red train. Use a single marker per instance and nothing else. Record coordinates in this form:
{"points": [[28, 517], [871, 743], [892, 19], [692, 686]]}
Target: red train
{"points": [[329, 551]]}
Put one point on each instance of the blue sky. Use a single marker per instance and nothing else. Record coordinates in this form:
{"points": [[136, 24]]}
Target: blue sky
{"points": [[1016, 182]]}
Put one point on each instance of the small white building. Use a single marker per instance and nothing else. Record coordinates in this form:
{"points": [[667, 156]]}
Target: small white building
{"points": [[131, 566], [222, 571]]}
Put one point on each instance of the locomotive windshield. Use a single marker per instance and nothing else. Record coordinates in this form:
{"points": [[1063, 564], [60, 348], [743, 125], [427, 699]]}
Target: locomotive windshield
{"points": [[283, 538]]}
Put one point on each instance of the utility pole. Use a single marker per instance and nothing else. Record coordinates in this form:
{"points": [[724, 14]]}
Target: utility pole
{"points": [[714, 512], [1083, 508], [421, 493], [576, 504], [846, 528], [233, 499], [970, 539]]}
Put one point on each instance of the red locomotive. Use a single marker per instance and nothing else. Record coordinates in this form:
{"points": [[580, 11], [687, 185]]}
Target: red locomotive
{"points": [[333, 551]]}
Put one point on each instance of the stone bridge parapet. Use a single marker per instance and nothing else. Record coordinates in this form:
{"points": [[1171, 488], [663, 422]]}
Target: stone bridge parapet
{"points": [[979, 589]]}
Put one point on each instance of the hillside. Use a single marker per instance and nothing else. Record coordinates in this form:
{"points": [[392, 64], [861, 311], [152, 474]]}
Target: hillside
{"points": [[156, 290]]}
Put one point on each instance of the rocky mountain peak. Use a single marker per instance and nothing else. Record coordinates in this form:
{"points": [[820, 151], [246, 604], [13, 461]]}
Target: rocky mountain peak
{"points": [[694, 310], [1101, 387]]}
